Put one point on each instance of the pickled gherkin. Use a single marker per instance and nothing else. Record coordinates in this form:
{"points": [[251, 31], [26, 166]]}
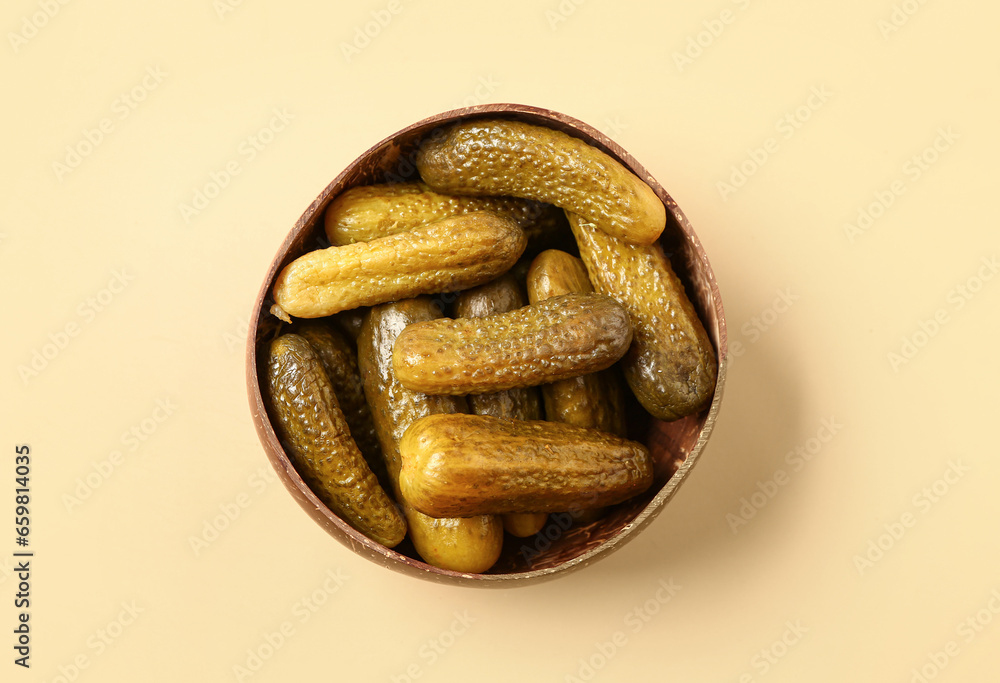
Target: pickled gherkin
{"points": [[318, 441]]}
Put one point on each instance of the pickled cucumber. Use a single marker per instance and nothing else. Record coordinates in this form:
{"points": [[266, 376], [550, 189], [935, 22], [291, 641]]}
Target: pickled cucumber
{"points": [[555, 339], [671, 367], [501, 296], [596, 400], [340, 362], [508, 157], [367, 212], [319, 444], [470, 544], [457, 465], [447, 255]]}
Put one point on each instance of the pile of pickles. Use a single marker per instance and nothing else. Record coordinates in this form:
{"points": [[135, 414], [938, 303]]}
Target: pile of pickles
{"points": [[450, 370]]}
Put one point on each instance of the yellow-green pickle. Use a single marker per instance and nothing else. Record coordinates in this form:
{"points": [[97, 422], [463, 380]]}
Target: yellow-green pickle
{"points": [[368, 212], [507, 157], [458, 465], [468, 544], [595, 400], [555, 339], [500, 296], [447, 255]]}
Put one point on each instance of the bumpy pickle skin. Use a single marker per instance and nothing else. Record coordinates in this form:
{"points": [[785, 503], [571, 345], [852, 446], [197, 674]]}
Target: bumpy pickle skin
{"points": [[596, 400], [319, 444], [555, 339], [508, 157], [501, 296], [458, 465], [368, 212], [340, 362], [447, 255], [470, 544], [671, 366]]}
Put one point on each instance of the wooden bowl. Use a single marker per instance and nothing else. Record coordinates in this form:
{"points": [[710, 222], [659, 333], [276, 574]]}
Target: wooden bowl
{"points": [[559, 547]]}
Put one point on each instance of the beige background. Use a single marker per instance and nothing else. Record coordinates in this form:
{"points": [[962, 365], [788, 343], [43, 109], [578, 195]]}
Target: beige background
{"points": [[136, 308]]}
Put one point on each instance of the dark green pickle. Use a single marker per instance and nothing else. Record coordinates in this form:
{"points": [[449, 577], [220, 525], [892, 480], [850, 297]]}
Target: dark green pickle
{"points": [[671, 367], [319, 443], [340, 361]]}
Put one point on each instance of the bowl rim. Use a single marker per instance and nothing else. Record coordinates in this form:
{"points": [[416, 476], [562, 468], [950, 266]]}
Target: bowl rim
{"points": [[388, 557]]}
